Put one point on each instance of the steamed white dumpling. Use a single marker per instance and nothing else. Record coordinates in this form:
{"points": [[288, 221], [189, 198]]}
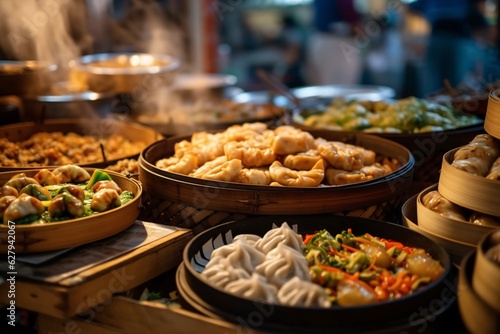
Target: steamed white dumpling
{"points": [[256, 288], [239, 254], [282, 264], [251, 239], [222, 273], [283, 234], [297, 292]]}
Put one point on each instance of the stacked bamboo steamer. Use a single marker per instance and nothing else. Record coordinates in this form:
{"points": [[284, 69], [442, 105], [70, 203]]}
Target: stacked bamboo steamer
{"points": [[479, 292], [462, 207]]}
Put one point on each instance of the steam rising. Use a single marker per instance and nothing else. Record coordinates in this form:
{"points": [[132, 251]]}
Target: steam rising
{"points": [[41, 30]]}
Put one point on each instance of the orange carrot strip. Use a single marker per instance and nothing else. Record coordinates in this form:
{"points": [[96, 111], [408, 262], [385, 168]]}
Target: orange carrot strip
{"points": [[399, 280], [349, 248], [308, 238], [362, 240], [335, 252]]}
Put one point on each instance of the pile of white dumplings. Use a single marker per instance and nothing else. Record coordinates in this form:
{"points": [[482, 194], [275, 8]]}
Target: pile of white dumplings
{"points": [[269, 269]]}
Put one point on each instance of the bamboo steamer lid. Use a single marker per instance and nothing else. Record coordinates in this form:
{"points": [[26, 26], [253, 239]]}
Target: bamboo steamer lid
{"points": [[451, 228], [477, 315], [470, 191], [487, 271], [492, 119]]}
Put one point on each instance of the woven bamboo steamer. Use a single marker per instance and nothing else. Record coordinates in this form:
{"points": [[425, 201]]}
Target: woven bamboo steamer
{"points": [[454, 229], [34, 238], [486, 271], [97, 127], [254, 200], [492, 119], [476, 314], [470, 191], [456, 249]]}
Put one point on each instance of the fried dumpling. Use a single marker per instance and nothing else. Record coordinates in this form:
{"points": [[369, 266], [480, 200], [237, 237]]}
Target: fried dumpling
{"points": [[226, 172], [346, 157], [259, 176], [303, 160], [251, 154], [290, 140], [294, 178]]}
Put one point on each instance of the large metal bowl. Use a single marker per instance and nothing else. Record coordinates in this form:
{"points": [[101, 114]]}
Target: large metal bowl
{"points": [[25, 78], [135, 73]]}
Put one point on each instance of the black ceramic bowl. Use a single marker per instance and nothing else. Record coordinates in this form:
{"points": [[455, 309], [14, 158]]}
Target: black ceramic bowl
{"points": [[399, 314]]}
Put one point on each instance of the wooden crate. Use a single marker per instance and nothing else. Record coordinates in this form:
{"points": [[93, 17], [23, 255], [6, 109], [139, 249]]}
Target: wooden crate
{"points": [[125, 315], [87, 277]]}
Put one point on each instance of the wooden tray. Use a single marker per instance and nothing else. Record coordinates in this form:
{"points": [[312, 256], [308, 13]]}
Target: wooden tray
{"points": [[492, 119], [470, 191], [254, 200], [32, 238], [97, 127], [83, 280], [456, 249]]}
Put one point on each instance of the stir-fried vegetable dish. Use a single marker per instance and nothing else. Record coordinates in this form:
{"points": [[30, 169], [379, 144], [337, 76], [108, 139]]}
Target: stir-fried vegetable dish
{"points": [[409, 115], [363, 269]]}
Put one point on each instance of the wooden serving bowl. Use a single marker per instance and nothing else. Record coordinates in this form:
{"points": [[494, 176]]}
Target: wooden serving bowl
{"points": [[34, 238], [477, 315], [255, 199], [487, 272], [456, 249], [492, 119], [454, 229], [97, 127], [473, 192], [357, 319]]}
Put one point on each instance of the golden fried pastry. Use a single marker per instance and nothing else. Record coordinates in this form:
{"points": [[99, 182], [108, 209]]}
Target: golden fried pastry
{"points": [[340, 157], [289, 140], [228, 171], [294, 178], [208, 166], [251, 154], [303, 160], [339, 177], [259, 176], [185, 165]]}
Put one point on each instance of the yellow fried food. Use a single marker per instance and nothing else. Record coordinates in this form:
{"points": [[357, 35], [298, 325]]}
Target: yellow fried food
{"points": [[208, 166], [185, 165], [290, 140], [251, 154], [294, 178], [345, 156], [259, 176], [228, 171], [303, 160]]}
